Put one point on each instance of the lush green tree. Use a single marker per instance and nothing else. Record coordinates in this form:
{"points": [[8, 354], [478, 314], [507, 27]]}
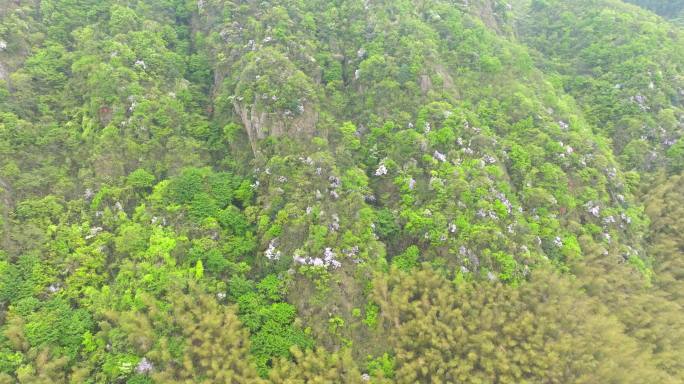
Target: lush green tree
{"points": [[324, 191]]}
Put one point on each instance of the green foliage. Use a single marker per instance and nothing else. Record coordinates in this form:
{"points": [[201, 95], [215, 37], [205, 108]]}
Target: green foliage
{"points": [[208, 191], [407, 260], [371, 317], [122, 20], [384, 364], [140, 178], [54, 323], [270, 321]]}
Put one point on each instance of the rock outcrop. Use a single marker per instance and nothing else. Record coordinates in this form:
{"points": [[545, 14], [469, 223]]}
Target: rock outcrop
{"points": [[261, 124]]}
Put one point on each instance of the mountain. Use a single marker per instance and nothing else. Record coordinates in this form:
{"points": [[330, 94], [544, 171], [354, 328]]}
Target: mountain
{"points": [[403, 191], [673, 10]]}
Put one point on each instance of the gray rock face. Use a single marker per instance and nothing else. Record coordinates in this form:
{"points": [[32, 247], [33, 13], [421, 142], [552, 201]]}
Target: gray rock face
{"points": [[261, 124]]}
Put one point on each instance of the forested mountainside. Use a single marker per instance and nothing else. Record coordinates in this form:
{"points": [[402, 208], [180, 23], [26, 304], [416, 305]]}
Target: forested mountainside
{"points": [[341, 191], [671, 9]]}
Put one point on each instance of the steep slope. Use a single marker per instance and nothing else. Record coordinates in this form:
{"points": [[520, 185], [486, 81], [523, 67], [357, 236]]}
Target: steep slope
{"points": [[623, 66], [216, 190], [671, 9]]}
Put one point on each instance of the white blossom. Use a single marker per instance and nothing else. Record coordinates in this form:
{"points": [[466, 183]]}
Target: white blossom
{"points": [[488, 159], [328, 260], [595, 210], [427, 127], [335, 225], [351, 252], [271, 252], [141, 64], [144, 366], [316, 262], [640, 100], [93, 232], [335, 182], [439, 156], [563, 124], [3, 45], [504, 201], [558, 242], [381, 171], [54, 288]]}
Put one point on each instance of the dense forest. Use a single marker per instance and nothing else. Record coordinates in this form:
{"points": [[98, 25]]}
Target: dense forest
{"points": [[341, 191], [671, 9]]}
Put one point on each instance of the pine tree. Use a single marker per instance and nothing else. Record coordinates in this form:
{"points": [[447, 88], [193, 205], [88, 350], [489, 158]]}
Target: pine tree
{"points": [[215, 347], [546, 331]]}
